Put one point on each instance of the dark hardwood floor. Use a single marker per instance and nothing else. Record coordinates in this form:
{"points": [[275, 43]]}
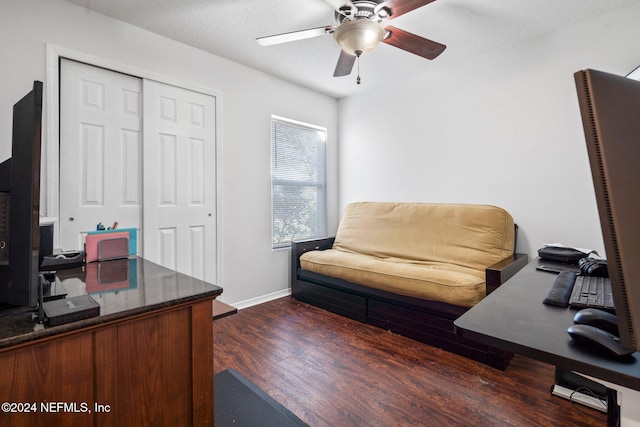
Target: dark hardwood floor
{"points": [[333, 371]]}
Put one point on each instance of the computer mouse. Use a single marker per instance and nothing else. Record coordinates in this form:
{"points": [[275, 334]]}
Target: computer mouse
{"points": [[598, 340], [597, 318]]}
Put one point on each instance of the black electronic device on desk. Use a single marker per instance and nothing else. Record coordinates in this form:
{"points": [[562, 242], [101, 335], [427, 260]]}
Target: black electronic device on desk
{"points": [[592, 292], [61, 311], [55, 308], [62, 260]]}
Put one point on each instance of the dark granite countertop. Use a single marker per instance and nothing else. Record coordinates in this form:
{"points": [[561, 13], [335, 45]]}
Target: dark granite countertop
{"points": [[122, 288]]}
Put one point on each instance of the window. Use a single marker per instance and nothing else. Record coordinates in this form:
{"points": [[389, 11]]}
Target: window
{"points": [[298, 190]]}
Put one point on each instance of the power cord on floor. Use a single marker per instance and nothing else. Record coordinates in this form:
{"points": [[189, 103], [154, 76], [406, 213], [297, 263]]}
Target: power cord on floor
{"points": [[587, 391]]}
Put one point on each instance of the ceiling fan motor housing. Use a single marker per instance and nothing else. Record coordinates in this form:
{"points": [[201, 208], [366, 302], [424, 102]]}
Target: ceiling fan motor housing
{"points": [[363, 9]]}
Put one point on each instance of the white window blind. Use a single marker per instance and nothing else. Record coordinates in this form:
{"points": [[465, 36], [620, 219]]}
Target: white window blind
{"points": [[298, 207]]}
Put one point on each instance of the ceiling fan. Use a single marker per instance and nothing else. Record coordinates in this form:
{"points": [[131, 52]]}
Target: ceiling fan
{"points": [[360, 26]]}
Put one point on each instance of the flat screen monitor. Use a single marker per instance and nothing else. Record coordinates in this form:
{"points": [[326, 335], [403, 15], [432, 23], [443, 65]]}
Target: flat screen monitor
{"points": [[610, 109], [21, 288]]}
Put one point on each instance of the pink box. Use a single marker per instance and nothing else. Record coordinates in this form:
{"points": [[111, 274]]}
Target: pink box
{"points": [[99, 247]]}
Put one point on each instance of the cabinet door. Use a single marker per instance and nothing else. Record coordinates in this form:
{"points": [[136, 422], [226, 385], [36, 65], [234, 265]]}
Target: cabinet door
{"points": [[157, 370], [52, 381]]}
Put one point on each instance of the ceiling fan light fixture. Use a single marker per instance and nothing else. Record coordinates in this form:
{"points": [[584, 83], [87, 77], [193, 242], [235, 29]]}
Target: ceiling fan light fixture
{"points": [[359, 36]]}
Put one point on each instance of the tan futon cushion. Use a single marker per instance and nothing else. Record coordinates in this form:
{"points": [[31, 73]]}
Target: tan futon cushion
{"points": [[432, 251]]}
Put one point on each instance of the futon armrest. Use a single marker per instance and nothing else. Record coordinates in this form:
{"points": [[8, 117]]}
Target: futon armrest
{"points": [[502, 271], [300, 247], [303, 246]]}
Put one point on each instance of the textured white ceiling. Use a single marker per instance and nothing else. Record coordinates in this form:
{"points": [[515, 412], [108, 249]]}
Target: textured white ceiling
{"points": [[228, 28]]}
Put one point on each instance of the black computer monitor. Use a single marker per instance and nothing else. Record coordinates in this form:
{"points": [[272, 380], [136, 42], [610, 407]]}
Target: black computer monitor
{"points": [[20, 286], [610, 108]]}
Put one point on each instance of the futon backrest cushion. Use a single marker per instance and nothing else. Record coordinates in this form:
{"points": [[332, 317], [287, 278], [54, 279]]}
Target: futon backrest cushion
{"points": [[473, 236]]}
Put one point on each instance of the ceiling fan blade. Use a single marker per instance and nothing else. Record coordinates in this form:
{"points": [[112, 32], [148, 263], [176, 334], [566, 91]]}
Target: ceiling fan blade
{"points": [[344, 65], [413, 43], [295, 35], [400, 7]]}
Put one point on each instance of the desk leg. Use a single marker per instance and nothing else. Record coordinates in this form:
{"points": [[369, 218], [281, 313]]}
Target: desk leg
{"points": [[613, 410], [626, 399]]}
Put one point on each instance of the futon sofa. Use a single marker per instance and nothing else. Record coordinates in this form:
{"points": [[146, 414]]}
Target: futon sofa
{"points": [[411, 268]]}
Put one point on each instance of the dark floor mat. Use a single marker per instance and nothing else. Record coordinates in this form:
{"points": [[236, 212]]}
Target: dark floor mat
{"points": [[239, 403]]}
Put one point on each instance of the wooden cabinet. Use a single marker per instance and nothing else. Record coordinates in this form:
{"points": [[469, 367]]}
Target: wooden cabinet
{"points": [[154, 368]]}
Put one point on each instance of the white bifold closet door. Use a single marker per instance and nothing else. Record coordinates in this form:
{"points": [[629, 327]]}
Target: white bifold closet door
{"points": [[100, 151], [179, 179], [141, 153]]}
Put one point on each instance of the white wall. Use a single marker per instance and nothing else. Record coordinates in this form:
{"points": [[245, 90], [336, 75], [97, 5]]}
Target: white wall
{"points": [[501, 128], [249, 268]]}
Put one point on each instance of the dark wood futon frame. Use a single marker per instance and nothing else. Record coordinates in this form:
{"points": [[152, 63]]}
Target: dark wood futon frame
{"points": [[426, 321]]}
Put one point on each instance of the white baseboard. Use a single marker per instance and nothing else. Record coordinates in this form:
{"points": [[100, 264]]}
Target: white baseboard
{"points": [[261, 299]]}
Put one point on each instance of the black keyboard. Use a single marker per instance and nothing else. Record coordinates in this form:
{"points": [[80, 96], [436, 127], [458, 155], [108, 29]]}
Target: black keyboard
{"points": [[592, 292]]}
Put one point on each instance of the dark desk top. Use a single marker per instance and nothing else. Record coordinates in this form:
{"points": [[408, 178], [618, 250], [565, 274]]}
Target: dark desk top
{"points": [[123, 288], [514, 318]]}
